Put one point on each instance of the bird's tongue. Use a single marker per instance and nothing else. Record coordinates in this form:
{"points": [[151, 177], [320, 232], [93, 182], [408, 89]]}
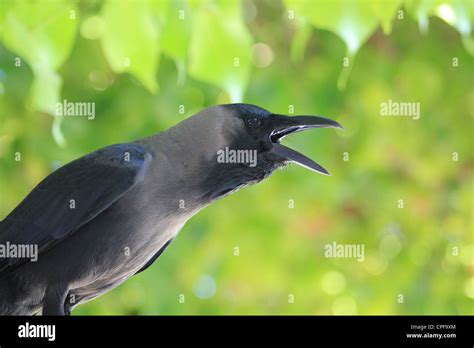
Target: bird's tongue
{"points": [[298, 158]]}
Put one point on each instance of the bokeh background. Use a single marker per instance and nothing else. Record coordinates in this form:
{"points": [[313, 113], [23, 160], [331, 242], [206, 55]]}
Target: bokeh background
{"points": [[401, 187]]}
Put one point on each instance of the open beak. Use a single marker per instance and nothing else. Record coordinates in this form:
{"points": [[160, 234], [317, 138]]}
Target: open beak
{"points": [[285, 125]]}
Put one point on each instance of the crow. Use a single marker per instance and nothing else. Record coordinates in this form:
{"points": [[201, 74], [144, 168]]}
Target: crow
{"points": [[107, 216]]}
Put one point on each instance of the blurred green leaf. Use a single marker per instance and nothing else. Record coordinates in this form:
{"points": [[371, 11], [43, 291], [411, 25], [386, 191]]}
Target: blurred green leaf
{"points": [[220, 47], [421, 10], [176, 35], [352, 21], [3, 8], [46, 88], [386, 10], [300, 40], [58, 135], [42, 33], [460, 15], [457, 13], [134, 47]]}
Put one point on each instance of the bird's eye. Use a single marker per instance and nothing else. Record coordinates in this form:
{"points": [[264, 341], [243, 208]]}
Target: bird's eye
{"points": [[252, 121]]}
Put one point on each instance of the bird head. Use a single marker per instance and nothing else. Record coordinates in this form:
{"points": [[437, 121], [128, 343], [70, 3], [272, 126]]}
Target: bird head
{"points": [[242, 144]]}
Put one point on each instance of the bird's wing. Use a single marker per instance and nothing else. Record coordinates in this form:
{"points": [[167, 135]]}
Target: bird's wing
{"points": [[71, 197]]}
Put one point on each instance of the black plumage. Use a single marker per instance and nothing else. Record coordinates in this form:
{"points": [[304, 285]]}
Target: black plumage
{"points": [[109, 215]]}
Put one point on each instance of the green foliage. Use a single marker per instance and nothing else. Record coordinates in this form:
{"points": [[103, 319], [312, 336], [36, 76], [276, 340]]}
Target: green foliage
{"points": [[220, 47], [353, 21], [212, 32], [385, 11], [176, 35], [43, 35], [133, 47], [408, 250]]}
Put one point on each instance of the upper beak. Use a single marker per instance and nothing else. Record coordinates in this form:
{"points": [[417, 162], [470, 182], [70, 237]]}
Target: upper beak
{"points": [[284, 125]]}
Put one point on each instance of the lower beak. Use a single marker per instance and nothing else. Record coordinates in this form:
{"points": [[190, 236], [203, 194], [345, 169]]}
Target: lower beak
{"points": [[285, 125]]}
